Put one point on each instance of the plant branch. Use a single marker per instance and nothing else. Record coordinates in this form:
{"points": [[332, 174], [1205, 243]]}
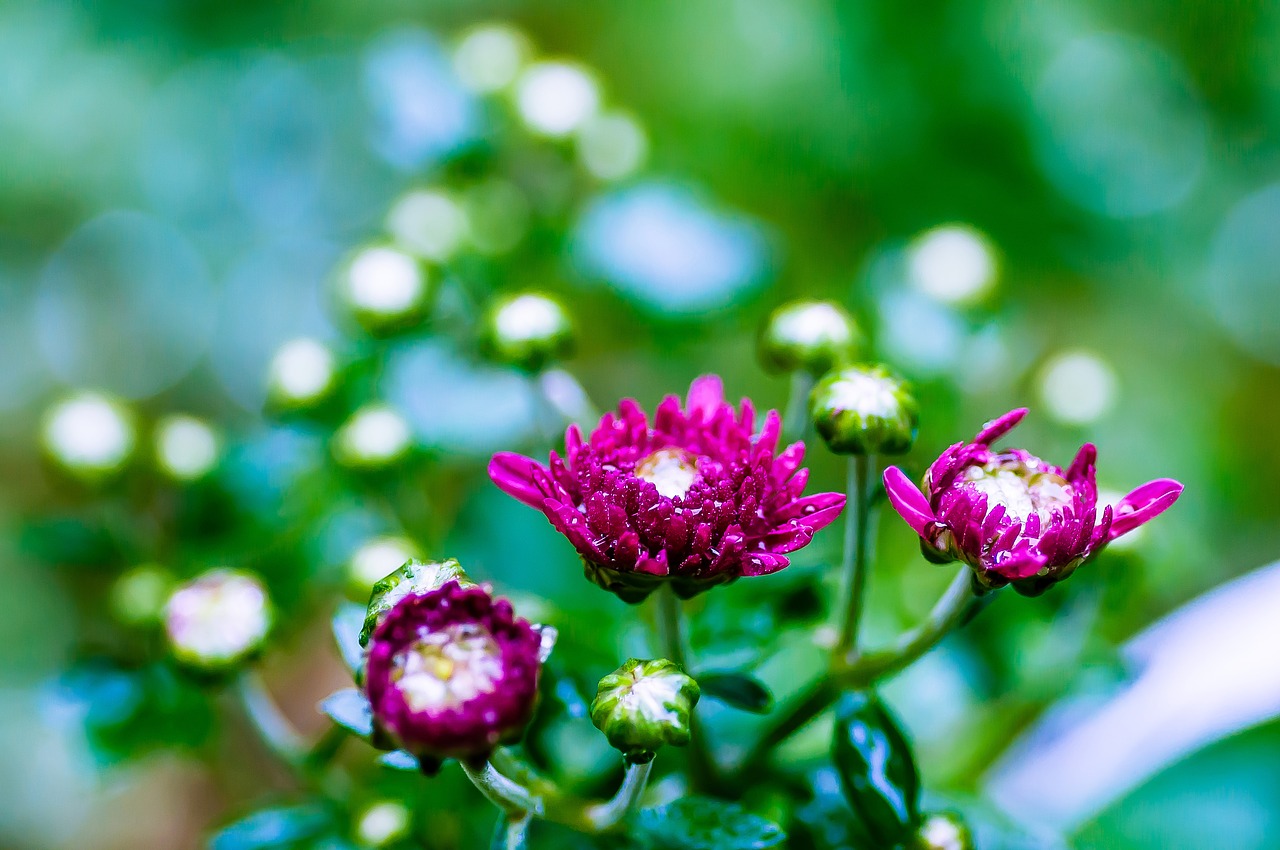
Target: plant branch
{"points": [[556, 805], [845, 674], [703, 772], [857, 550], [795, 424]]}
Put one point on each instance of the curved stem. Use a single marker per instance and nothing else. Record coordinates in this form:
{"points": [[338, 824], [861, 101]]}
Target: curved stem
{"points": [[508, 795], [949, 612], [857, 550], [272, 726], [510, 833], [558, 806], [610, 813]]}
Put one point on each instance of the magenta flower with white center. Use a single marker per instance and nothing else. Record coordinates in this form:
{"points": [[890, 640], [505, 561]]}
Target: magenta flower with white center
{"points": [[452, 673], [694, 498], [1013, 517]]}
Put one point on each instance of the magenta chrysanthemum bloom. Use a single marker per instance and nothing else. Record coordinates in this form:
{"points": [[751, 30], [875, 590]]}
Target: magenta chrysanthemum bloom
{"points": [[1013, 517], [452, 673], [695, 498]]}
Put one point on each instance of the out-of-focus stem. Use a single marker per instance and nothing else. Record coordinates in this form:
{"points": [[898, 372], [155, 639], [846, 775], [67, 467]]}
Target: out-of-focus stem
{"points": [[554, 804], [608, 814], [272, 726], [795, 424]]}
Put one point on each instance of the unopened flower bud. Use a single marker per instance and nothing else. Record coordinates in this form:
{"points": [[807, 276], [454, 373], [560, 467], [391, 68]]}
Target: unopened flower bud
{"points": [[89, 435], [302, 374], [375, 436], [187, 448], [529, 331], [385, 290], [138, 596], [943, 831], [217, 620], [452, 673], [643, 705], [413, 577], [813, 336], [863, 410]]}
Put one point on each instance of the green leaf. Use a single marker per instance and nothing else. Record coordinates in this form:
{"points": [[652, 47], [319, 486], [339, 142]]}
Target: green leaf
{"points": [[699, 823], [350, 709], [740, 690], [272, 828], [877, 768], [347, 622]]}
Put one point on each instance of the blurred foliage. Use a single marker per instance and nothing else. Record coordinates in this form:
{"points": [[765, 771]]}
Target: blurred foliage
{"points": [[1067, 204]]}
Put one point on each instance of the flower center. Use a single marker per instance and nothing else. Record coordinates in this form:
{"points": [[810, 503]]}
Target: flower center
{"points": [[672, 471], [444, 669], [1024, 487]]}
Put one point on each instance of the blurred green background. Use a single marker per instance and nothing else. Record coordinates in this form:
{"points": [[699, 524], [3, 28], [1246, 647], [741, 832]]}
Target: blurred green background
{"points": [[1067, 205]]}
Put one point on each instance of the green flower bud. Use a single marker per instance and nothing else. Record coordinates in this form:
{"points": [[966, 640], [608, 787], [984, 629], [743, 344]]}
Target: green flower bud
{"points": [[529, 331], [302, 374], [643, 705], [187, 448], [861, 410], [375, 437], [217, 620], [138, 596], [943, 831], [385, 290], [814, 336], [412, 578], [89, 435]]}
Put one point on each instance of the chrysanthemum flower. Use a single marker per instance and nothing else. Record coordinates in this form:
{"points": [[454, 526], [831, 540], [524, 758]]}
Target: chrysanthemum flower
{"points": [[1012, 516], [695, 498], [452, 673]]}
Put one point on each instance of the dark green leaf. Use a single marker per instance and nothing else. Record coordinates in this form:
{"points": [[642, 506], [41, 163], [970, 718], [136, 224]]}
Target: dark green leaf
{"points": [[877, 768], [698, 823], [350, 709], [347, 622], [740, 690], [272, 828]]}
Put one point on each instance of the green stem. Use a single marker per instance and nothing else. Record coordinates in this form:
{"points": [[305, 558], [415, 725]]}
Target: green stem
{"points": [[947, 614], [857, 550], [558, 806], [795, 424], [604, 816], [513, 798], [703, 772], [510, 833]]}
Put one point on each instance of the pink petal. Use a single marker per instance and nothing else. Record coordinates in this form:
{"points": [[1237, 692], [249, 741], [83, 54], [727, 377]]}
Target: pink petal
{"points": [[1143, 504], [706, 394], [804, 508], [907, 500], [1019, 566], [516, 475], [1084, 462], [763, 563], [997, 428], [767, 442]]}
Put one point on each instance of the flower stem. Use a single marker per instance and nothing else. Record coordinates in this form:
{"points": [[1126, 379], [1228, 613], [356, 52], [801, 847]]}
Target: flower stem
{"points": [[558, 806], [606, 815], [857, 550], [510, 832], [845, 674], [796, 422], [703, 773], [268, 721], [513, 798]]}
